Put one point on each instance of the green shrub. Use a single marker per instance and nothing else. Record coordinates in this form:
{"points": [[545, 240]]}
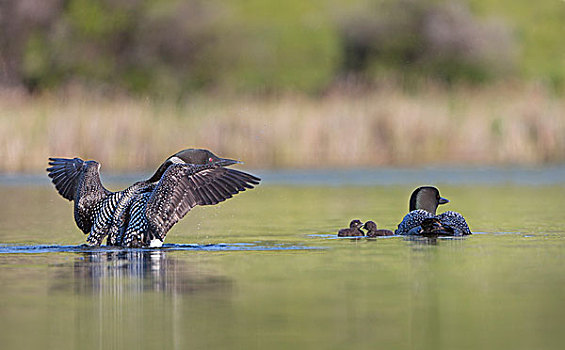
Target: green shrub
{"points": [[439, 40], [169, 47]]}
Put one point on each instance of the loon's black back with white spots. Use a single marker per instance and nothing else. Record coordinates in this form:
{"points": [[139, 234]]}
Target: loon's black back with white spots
{"points": [[455, 221], [411, 220]]}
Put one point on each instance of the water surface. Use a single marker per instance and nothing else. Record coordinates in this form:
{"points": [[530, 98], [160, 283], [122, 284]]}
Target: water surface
{"points": [[265, 270]]}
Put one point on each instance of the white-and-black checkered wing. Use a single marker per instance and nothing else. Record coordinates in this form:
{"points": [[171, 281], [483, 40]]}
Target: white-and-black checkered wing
{"points": [[184, 186]]}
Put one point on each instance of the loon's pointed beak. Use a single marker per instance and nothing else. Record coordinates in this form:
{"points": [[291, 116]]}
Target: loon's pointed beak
{"points": [[443, 200], [227, 162]]}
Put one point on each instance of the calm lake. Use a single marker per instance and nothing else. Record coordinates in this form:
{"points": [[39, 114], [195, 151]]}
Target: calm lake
{"points": [[265, 270]]}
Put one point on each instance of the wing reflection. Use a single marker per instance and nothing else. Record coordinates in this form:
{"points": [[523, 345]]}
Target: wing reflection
{"points": [[137, 271]]}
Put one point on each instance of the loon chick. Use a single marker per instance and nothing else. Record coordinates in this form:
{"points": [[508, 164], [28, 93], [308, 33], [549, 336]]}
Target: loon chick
{"points": [[423, 205], [354, 230], [142, 214], [372, 231], [431, 227]]}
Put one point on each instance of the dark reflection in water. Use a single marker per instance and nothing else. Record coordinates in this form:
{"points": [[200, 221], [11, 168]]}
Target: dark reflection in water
{"points": [[137, 271], [432, 240], [416, 240], [140, 299], [256, 246], [424, 240]]}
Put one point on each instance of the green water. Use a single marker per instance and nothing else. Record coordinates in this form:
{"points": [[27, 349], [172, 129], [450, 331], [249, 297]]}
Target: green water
{"points": [[502, 288]]}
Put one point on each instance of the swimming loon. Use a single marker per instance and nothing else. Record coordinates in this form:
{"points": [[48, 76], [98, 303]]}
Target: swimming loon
{"points": [[354, 230], [372, 230], [142, 214], [423, 205]]}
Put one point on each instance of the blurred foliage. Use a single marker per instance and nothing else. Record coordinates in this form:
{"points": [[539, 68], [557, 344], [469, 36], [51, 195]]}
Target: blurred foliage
{"points": [[540, 30], [168, 47], [441, 40]]}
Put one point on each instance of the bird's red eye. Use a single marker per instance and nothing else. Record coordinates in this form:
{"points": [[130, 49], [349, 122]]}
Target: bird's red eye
{"points": [[210, 159]]}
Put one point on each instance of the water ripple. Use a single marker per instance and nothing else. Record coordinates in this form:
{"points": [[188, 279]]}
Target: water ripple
{"points": [[259, 246]]}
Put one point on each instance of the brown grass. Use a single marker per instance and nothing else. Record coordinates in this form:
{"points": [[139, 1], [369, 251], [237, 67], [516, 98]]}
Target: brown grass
{"points": [[497, 125]]}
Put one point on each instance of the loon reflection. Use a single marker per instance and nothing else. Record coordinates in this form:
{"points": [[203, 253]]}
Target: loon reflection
{"points": [[137, 271], [419, 241]]}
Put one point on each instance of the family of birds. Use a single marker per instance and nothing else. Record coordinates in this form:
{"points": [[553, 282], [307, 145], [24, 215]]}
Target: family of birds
{"points": [[420, 220], [142, 214]]}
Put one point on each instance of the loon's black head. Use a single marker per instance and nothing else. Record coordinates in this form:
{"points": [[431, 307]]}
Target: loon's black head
{"points": [[370, 226], [192, 156], [200, 156], [355, 224], [426, 198]]}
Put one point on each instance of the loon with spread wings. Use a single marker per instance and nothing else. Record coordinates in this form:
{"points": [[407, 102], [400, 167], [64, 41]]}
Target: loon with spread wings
{"points": [[142, 214]]}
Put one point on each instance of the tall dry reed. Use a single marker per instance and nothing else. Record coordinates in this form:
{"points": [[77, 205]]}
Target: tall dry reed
{"points": [[497, 125]]}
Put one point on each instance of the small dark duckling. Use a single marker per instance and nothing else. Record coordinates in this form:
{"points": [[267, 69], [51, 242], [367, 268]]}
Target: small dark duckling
{"points": [[372, 231], [423, 205], [354, 230]]}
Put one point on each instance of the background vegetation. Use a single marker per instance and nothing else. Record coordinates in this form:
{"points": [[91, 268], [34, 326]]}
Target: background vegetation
{"points": [[297, 83]]}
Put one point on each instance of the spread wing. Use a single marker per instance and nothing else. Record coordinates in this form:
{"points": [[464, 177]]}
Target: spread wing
{"points": [[65, 174], [184, 186]]}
